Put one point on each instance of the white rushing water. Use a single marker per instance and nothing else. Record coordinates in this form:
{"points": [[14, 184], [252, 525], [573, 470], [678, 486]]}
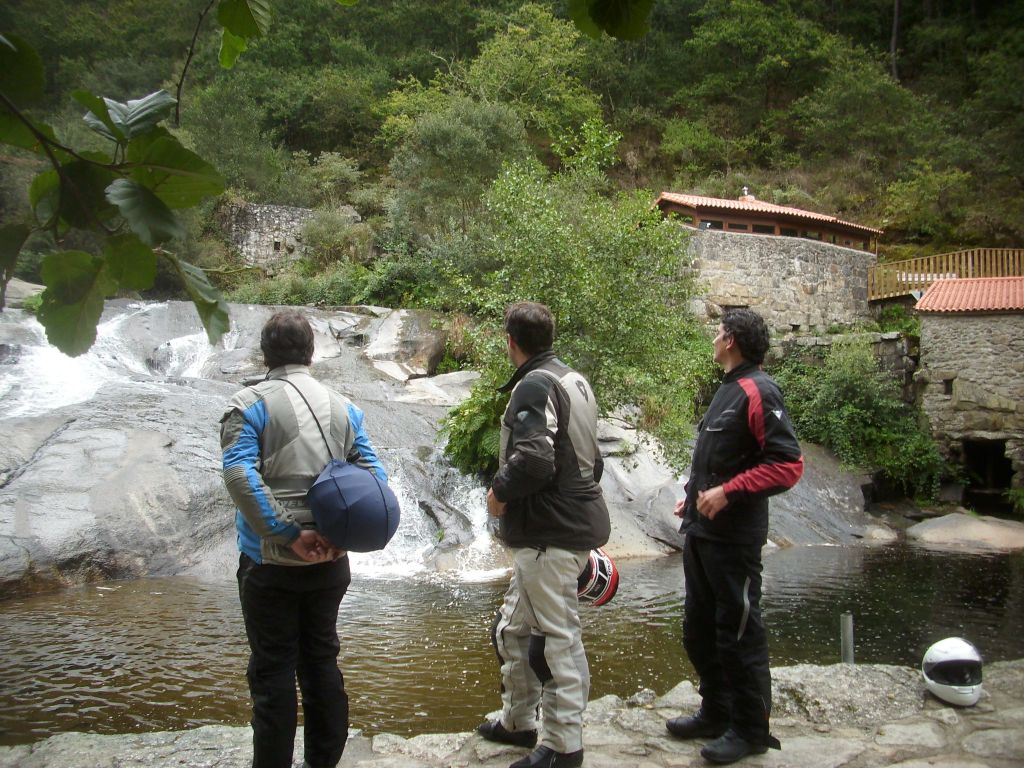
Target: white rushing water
{"points": [[42, 379]]}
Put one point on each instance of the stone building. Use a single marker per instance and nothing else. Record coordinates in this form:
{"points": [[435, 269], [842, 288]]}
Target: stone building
{"points": [[971, 377], [798, 286], [750, 215], [270, 236]]}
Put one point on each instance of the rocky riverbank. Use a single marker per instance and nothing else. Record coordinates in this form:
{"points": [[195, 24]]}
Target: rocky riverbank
{"points": [[837, 716]]}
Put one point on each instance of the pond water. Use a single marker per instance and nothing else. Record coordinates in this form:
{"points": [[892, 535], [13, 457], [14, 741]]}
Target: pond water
{"points": [[166, 654]]}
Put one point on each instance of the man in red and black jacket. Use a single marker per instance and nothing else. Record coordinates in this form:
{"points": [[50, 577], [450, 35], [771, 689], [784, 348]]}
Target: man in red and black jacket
{"points": [[746, 451]]}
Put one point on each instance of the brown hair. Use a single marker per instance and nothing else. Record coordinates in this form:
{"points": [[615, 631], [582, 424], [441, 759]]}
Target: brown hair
{"points": [[287, 338], [531, 326]]}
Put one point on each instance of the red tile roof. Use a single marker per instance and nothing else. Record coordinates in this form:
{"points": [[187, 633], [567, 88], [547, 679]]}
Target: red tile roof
{"points": [[756, 206], [974, 294]]}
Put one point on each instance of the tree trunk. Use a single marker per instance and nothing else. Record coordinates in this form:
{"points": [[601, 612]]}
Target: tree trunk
{"points": [[894, 38]]}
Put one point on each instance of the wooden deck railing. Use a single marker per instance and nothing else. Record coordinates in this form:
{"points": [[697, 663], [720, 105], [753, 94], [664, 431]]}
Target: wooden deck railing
{"points": [[899, 278]]}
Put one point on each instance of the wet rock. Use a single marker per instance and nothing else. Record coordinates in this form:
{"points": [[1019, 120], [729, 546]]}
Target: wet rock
{"points": [[966, 532]]}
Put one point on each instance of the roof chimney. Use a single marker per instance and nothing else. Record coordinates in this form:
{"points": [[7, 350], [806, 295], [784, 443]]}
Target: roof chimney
{"points": [[746, 197]]}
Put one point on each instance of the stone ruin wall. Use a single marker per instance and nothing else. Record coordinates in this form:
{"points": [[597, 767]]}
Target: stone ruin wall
{"points": [[266, 236], [799, 286], [971, 381]]}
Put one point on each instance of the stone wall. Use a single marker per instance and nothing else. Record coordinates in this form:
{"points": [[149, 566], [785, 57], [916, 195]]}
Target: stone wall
{"points": [[797, 285], [971, 381], [270, 236]]}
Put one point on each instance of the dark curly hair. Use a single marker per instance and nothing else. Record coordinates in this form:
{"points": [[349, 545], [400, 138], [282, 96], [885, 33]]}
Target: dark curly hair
{"points": [[749, 331], [287, 339], [531, 326]]}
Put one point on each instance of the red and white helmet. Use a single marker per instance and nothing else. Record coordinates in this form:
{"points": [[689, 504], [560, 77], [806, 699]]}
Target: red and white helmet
{"points": [[599, 580]]}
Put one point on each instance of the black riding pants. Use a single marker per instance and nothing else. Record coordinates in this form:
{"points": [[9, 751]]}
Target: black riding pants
{"points": [[724, 635], [291, 615]]}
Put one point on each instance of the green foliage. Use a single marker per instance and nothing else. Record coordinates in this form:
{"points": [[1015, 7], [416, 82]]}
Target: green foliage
{"points": [[930, 204], [610, 269], [1015, 497], [340, 284], [473, 430], [448, 159], [896, 317], [533, 66], [853, 409], [126, 194]]}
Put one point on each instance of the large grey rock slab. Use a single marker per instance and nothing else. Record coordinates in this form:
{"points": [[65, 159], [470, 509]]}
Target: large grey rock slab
{"points": [[965, 533]]}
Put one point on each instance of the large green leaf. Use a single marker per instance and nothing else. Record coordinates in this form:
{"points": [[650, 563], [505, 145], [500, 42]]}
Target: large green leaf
{"points": [[76, 285], [146, 214], [624, 19], [13, 131], [98, 117], [231, 47], [244, 18], [44, 196], [82, 200], [139, 115], [178, 176], [22, 77], [213, 311], [130, 262]]}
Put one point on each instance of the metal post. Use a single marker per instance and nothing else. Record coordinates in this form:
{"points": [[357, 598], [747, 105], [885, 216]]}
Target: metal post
{"points": [[846, 630]]}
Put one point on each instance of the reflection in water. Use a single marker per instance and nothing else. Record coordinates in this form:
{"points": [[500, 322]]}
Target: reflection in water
{"points": [[168, 654]]}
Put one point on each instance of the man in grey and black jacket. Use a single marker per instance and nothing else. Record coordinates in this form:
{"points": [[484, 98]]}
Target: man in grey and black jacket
{"points": [[551, 513]]}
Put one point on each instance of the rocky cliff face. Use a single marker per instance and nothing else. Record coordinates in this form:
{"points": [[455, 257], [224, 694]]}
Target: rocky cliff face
{"points": [[110, 466]]}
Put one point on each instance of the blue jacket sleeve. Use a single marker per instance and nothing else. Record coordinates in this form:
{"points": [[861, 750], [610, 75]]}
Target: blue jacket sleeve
{"points": [[240, 444], [362, 452]]}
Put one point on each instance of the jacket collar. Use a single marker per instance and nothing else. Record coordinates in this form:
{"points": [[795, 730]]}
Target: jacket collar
{"points": [[284, 371], [532, 364], [743, 369]]}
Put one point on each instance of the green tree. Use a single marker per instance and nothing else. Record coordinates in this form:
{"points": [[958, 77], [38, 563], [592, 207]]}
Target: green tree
{"points": [[448, 159], [928, 205], [533, 65], [852, 408], [612, 272]]}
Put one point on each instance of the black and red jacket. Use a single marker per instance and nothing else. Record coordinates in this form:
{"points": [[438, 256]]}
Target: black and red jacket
{"points": [[745, 443]]}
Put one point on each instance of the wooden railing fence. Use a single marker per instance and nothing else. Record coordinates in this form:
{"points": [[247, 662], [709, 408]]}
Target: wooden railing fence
{"points": [[899, 278]]}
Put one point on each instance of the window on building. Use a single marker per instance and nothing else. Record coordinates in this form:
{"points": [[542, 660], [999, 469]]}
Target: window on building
{"points": [[788, 232], [764, 229], [710, 224], [947, 386], [738, 227], [277, 245]]}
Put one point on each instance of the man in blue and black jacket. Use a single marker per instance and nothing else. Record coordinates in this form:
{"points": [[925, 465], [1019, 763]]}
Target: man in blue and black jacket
{"points": [[746, 451], [276, 437]]}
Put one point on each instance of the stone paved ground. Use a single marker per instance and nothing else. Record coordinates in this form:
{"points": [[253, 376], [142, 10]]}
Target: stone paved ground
{"points": [[838, 716]]}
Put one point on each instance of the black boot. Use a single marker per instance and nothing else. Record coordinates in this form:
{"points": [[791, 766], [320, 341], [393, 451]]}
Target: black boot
{"points": [[730, 747], [493, 730], [696, 726], [546, 757]]}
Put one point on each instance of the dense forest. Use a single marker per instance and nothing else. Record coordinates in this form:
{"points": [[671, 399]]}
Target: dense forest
{"points": [[495, 151], [903, 116]]}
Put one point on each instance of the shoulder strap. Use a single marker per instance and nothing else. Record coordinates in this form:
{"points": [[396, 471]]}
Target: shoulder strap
{"points": [[315, 419]]}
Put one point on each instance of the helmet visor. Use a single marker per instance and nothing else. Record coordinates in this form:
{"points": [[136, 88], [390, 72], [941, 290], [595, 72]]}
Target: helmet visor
{"points": [[954, 672]]}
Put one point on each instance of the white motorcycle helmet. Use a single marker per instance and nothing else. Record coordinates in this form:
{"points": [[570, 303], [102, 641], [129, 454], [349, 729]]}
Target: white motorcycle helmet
{"points": [[952, 671], [599, 581]]}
